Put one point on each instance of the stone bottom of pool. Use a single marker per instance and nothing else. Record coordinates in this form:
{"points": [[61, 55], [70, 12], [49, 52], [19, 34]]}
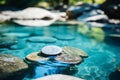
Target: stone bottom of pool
{"points": [[103, 50]]}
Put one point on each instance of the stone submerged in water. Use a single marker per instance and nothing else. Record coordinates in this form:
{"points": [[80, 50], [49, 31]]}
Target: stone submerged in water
{"points": [[19, 35], [11, 67], [74, 51], [65, 37], [68, 59], [34, 57], [59, 77], [51, 50], [7, 41], [41, 39]]}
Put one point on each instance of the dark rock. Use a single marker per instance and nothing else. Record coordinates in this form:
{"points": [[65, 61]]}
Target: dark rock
{"points": [[11, 67], [94, 15], [7, 41], [75, 11], [112, 8]]}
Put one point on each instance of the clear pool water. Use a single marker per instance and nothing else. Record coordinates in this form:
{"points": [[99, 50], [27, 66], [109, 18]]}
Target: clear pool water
{"points": [[103, 51]]}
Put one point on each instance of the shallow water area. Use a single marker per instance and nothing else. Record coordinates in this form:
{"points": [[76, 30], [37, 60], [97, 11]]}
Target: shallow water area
{"points": [[103, 52]]}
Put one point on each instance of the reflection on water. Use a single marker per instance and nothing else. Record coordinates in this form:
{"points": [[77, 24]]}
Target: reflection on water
{"points": [[96, 33], [103, 55]]}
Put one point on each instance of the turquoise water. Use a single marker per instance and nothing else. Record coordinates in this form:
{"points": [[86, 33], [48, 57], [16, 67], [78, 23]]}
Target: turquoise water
{"points": [[103, 51]]}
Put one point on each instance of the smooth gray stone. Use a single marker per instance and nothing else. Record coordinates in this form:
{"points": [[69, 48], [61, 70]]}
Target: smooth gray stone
{"points": [[7, 41], [11, 66], [40, 39], [74, 51], [51, 50], [59, 77], [69, 59], [65, 37], [19, 35]]}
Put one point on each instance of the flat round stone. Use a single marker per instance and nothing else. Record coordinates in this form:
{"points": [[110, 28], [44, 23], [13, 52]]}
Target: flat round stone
{"points": [[35, 57], [39, 39], [51, 50], [65, 37], [8, 41], [20, 35], [66, 58], [59, 77], [74, 51]]}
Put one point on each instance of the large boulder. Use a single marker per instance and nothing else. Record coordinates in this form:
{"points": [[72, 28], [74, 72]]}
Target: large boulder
{"points": [[34, 16], [11, 67]]}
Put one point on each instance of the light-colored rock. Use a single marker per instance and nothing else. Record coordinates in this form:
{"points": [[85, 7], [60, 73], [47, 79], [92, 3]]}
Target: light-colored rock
{"points": [[35, 57], [4, 18], [11, 66], [51, 50], [68, 59], [74, 51], [59, 77], [34, 16]]}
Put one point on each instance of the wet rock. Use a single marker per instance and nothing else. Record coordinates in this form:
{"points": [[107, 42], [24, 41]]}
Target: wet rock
{"points": [[69, 59], [41, 39], [11, 67], [36, 57], [7, 41], [75, 11], [51, 50], [93, 15], [59, 77], [74, 51], [19, 35]]}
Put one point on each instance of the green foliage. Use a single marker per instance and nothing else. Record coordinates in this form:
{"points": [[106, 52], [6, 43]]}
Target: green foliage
{"points": [[2, 2], [24, 3], [73, 2], [95, 33]]}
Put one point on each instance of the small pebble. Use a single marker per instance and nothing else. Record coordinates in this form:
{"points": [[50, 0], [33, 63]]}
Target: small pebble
{"points": [[51, 50]]}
